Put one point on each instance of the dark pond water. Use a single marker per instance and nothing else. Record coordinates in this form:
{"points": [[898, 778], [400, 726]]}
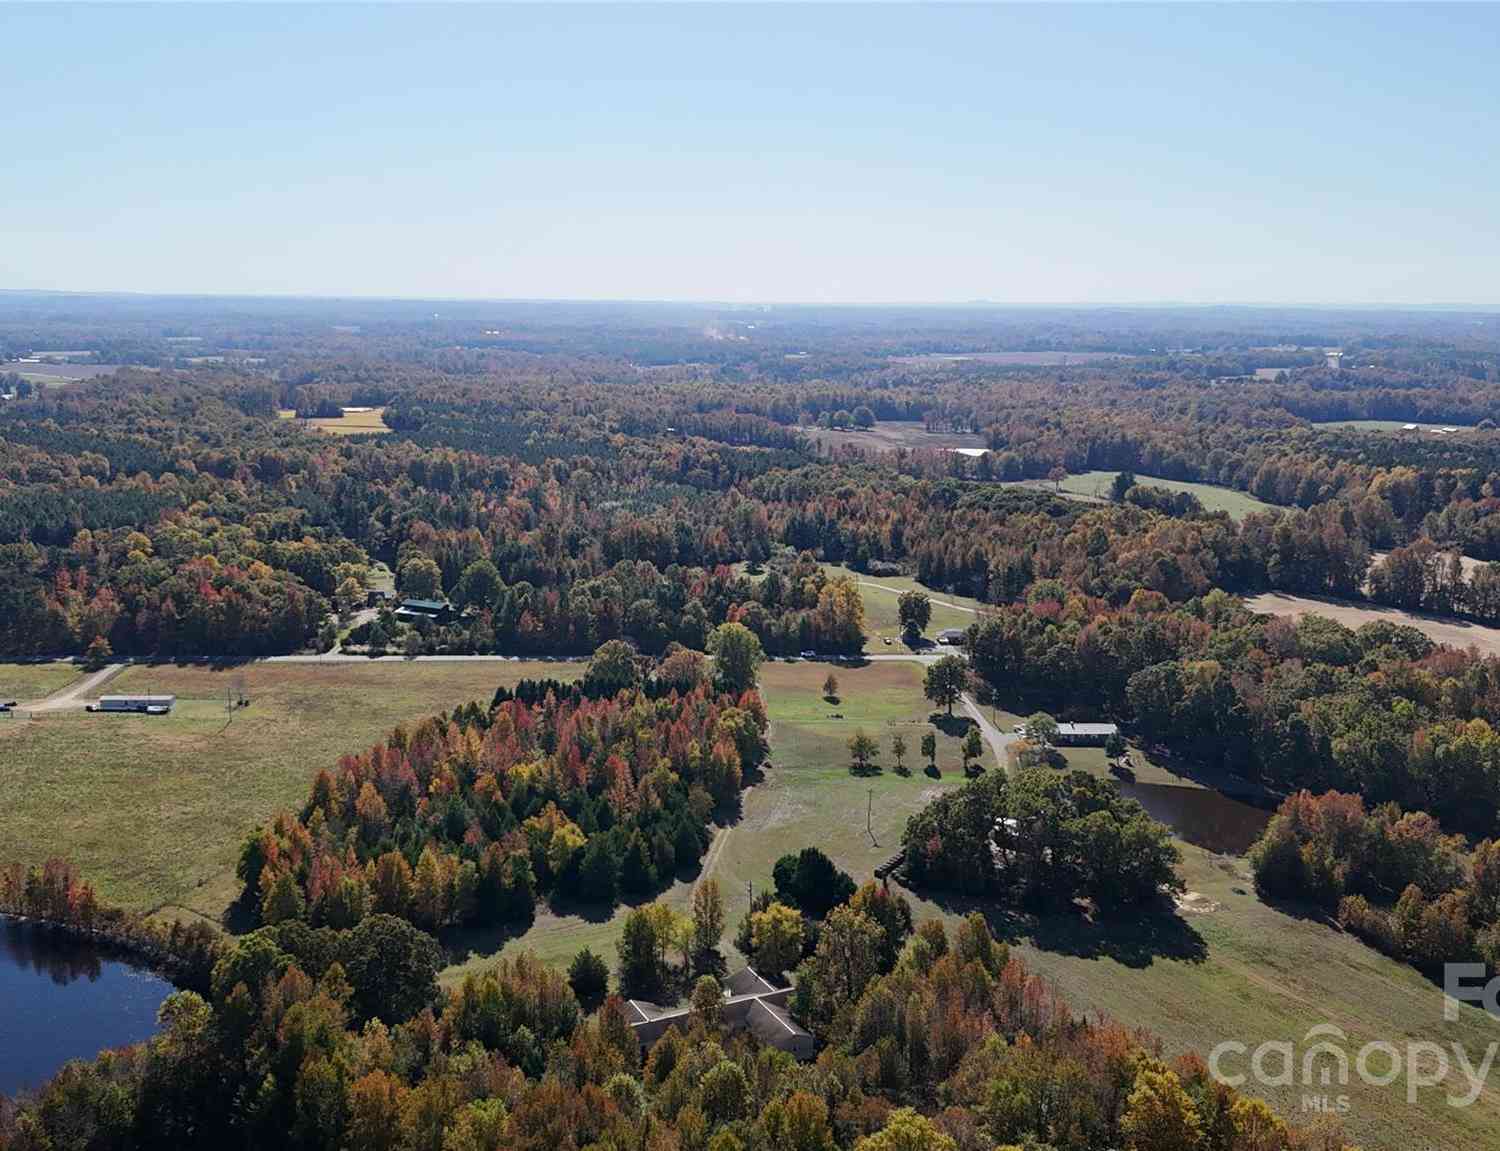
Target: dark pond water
{"points": [[62, 999], [1203, 817]]}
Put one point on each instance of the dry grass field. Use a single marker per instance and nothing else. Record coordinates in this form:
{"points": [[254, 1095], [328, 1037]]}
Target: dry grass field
{"points": [[366, 422], [1440, 629], [31, 681]]}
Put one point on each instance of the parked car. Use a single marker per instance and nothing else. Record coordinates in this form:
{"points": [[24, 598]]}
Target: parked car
{"points": [[808, 654]]}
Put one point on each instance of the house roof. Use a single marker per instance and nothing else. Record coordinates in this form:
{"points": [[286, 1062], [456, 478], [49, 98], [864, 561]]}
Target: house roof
{"points": [[750, 1001], [425, 604], [137, 699], [746, 981], [1087, 728]]}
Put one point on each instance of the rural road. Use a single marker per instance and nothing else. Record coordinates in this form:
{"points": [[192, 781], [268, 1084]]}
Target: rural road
{"points": [[363, 616], [73, 695], [998, 740]]}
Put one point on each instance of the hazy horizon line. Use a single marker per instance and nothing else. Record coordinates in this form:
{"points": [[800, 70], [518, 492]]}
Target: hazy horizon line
{"points": [[710, 302]]}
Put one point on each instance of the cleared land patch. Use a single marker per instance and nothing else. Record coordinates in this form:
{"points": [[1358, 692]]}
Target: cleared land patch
{"points": [[1440, 629], [1408, 427], [153, 808], [1095, 486], [1228, 966], [353, 422], [882, 595], [888, 435]]}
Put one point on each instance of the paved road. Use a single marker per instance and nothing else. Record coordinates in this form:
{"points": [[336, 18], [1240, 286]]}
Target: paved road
{"points": [[73, 695], [922, 657], [998, 740]]}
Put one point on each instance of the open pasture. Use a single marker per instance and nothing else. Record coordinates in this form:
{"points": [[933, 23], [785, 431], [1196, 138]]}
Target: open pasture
{"points": [[25, 682], [153, 808], [1096, 485]]}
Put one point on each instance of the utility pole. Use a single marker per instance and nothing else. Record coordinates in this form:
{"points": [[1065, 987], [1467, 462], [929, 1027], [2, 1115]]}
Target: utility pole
{"points": [[870, 817]]}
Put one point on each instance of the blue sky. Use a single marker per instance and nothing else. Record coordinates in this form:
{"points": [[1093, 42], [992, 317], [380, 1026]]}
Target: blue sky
{"points": [[1187, 153]]}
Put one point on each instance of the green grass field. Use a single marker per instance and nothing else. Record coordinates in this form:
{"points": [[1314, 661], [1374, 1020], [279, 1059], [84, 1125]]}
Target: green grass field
{"points": [[881, 595], [30, 681], [153, 809], [807, 797], [1237, 969], [1214, 499]]}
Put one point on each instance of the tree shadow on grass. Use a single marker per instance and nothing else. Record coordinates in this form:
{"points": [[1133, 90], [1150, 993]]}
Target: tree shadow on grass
{"points": [[1299, 909], [460, 944], [729, 812], [589, 910], [242, 916], [956, 726], [1132, 937]]}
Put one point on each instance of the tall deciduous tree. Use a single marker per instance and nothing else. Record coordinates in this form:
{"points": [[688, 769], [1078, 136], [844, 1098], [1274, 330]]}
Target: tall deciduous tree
{"points": [[945, 681], [737, 657], [914, 609]]}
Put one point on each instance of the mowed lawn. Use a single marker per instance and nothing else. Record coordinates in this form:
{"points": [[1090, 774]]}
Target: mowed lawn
{"points": [[153, 809], [31, 681], [806, 797], [882, 594]]}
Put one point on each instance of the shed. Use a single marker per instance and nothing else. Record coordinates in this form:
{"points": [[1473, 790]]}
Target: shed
{"points": [[952, 635], [152, 704]]}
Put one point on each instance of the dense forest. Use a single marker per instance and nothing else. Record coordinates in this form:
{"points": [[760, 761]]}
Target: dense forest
{"points": [[664, 489]]}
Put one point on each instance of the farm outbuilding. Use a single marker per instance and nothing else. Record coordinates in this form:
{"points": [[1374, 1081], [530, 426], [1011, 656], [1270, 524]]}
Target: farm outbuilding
{"points": [[150, 704], [1085, 734], [437, 610]]}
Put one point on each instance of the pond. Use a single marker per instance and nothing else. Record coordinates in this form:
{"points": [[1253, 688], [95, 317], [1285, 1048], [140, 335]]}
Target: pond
{"points": [[1200, 815], [62, 998]]}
